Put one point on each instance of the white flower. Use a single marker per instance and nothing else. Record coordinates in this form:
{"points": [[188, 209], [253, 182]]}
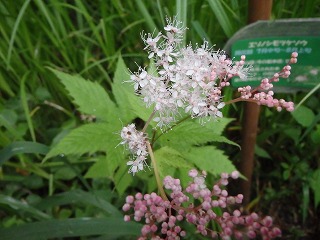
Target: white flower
{"points": [[189, 78], [136, 142], [136, 165]]}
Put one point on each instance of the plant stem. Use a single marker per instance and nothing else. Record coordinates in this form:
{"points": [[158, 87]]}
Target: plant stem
{"points": [[156, 172], [240, 100], [149, 120]]}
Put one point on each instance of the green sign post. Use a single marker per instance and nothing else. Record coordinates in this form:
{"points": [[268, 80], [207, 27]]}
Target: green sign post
{"points": [[268, 46]]}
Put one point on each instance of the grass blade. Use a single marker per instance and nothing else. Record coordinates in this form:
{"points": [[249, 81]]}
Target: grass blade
{"points": [[22, 207], [200, 31], [78, 196], [222, 17], [25, 106], [312, 91], [14, 31], [47, 16], [22, 147], [146, 15], [71, 228], [181, 13]]}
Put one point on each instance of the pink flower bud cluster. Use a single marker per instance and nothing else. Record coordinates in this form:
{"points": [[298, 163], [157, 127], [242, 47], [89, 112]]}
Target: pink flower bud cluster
{"points": [[162, 217], [265, 97], [136, 142]]}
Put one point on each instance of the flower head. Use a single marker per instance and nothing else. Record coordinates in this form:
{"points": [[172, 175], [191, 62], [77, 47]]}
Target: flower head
{"points": [[136, 142], [163, 219], [187, 77]]}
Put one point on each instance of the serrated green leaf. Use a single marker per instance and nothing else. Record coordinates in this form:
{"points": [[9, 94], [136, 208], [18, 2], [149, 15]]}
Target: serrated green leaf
{"points": [[168, 160], [90, 97], [183, 175], [192, 133], [106, 166], [217, 126], [121, 89], [99, 169], [87, 138], [130, 105], [210, 159]]}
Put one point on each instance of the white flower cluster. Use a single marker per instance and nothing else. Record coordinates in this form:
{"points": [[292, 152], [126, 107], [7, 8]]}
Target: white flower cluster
{"points": [[186, 78], [136, 142]]}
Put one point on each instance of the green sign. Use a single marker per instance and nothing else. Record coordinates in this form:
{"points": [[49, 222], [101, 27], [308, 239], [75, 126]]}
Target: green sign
{"points": [[270, 55], [268, 46]]}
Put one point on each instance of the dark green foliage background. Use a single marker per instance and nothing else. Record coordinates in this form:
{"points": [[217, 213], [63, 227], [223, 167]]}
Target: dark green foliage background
{"points": [[38, 110]]}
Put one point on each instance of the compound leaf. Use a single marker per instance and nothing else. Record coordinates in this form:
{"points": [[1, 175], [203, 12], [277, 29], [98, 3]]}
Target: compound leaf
{"points": [[192, 134], [90, 97], [130, 105], [87, 138], [210, 159], [169, 159]]}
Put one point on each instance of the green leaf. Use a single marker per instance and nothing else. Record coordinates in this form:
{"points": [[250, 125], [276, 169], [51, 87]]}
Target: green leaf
{"points": [[25, 105], [210, 159], [8, 119], [87, 138], [217, 126], [130, 105], [14, 30], [5, 86], [65, 173], [90, 97], [168, 160], [78, 196], [146, 15], [293, 132], [192, 133], [303, 115], [315, 135], [286, 174], [121, 90], [22, 147], [261, 152], [223, 16], [122, 179], [64, 213], [196, 25], [106, 166], [22, 207], [314, 184], [112, 227]]}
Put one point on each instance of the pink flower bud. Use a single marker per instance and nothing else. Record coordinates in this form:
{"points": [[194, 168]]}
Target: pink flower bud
{"points": [[251, 234], [193, 173], [126, 207], [235, 174], [267, 221]]}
